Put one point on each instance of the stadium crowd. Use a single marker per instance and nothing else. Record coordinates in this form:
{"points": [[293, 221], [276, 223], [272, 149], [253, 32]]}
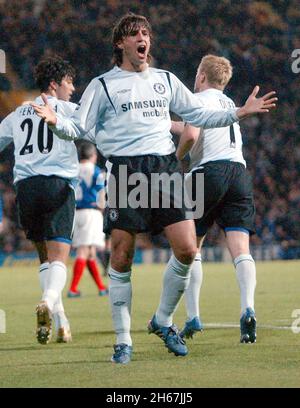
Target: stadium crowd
{"points": [[258, 38]]}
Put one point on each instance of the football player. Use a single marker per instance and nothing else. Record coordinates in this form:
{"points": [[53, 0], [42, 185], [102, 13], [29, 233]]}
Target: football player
{"points": [[45, 171], [228, 197]]}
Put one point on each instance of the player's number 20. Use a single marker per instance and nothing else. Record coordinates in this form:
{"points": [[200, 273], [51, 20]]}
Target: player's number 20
{"points": [[28, 148]]}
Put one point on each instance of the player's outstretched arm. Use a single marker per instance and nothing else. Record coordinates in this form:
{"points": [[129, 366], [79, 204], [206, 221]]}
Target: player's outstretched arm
{"points": [[257, 105], [85, 117], [45, 111]]}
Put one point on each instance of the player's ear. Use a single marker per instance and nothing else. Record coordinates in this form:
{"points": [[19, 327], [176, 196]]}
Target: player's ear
{"points": [[53, 85], [202, 77], [120, 44]]}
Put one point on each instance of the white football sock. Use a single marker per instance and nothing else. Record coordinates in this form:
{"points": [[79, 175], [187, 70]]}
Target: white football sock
{"points": [[246, 276], [120, 294], [192, 292], [56, 280], [44, 268], [59, 316], [175, 281]]}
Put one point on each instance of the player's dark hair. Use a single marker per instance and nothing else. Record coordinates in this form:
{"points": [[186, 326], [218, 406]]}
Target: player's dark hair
{"points": [[126, 26], [86, 150], [52, 69]]}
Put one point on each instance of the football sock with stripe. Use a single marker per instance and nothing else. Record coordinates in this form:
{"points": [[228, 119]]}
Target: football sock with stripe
{"points": [[192, 293], [120, 294], [175, 281], [44, 269], [246, 277]]}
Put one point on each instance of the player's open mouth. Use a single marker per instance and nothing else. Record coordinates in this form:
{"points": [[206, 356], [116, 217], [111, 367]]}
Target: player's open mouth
{"points": [[141, 50]]}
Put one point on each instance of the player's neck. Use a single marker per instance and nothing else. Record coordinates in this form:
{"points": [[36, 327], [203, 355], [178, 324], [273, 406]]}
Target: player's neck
{"points": [[86, 161], [205, 86], [129, 66], [51, 92]]}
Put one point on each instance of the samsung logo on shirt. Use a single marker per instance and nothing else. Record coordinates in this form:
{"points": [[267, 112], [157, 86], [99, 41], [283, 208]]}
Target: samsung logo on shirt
{"points": [[158, 103]]}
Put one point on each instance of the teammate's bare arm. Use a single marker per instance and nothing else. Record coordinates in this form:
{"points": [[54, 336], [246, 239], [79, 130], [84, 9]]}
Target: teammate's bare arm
{"points": [[188, 138], [177, 128]]}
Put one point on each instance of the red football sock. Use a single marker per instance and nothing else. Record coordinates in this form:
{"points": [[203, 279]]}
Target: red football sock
{"points": [[93, 268], [78, 269]]}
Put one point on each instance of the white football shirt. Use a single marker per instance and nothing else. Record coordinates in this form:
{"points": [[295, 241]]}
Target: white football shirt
{"points": [[130, 111], [37, 150], [224, 143]]}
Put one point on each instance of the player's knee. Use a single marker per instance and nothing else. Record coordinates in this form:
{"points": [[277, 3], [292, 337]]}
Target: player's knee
{"points": [[121, 259], [186, 254], [239, 250], [238, 243], [122, 262]]}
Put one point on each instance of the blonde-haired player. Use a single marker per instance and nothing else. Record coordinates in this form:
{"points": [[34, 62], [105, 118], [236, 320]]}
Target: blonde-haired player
{"points": [[228, 197]]}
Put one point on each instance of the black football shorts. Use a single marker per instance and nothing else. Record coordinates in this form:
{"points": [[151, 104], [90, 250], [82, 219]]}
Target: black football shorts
{"points": [[228, 197], [143, 205], [46, 208]]}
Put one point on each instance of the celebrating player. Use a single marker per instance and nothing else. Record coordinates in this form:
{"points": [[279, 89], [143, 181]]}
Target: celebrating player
{"points": [[228, 197], [131, 103], [45, 168], [88, 229]]}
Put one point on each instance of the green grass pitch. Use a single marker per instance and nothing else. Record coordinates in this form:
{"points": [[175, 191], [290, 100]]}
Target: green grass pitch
{"points": [[216, 358]]}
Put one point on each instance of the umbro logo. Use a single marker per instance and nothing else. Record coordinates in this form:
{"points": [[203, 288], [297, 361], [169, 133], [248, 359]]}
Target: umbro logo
{"points": [[124, 91], [119, 303]]}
